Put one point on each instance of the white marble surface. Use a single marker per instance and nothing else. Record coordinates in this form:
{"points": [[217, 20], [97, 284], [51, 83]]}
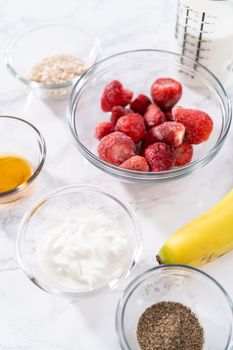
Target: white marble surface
{"points": [[30, 318]]}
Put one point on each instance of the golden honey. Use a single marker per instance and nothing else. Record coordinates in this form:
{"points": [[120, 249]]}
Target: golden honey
{"points": [[14, 171]]}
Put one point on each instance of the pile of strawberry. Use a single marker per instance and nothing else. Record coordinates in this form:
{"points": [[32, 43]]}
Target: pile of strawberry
{"points": [[149, 135]]}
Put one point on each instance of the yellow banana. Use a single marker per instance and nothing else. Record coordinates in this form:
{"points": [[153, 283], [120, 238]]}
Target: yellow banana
{"points": [[202, 240]]}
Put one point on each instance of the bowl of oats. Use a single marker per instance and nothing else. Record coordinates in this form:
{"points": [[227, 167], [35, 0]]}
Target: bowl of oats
{"points": [[50, 58]]}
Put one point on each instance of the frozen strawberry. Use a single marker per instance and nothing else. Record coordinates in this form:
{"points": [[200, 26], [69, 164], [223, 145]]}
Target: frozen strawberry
{"points": [[168, 116], [140, 104], [171, 133], [198, 124], [132, 125], [159, 156], [135, 163], [116, 148], [183, 154], [119, 111], [103, 129], [166, 92], [115, 95], [148, 139], [154, 116], [127, 97]]}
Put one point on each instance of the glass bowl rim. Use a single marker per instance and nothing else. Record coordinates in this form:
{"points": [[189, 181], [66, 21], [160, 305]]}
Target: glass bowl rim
{"points": [[125, 173], [77, 293], [43, 151], [133, 285], [44, 25]]}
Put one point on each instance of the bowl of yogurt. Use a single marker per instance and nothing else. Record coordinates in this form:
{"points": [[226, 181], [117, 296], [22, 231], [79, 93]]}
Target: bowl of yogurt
{"points": [[78, 241]]}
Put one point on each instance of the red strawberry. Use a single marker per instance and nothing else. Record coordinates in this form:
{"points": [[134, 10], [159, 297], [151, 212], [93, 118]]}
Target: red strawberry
{"points": [[117, 112], [159, 156], [103, 129], [135, 163], [127, 97], [132, 125], [171, 133], [116, 148], [115, 95], [154, 116], [166, 92], [198, 124], [183, 154], [149, 138], [140, 104], [168, 116]]}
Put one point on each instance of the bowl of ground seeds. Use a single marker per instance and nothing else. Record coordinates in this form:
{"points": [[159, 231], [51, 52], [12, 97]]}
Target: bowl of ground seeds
{"points": [[174, 307], [51, 67]]}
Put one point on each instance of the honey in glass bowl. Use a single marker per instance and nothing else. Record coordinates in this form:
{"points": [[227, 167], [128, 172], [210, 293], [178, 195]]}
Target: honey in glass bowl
{"points": [[22, 155], [14, 172]]}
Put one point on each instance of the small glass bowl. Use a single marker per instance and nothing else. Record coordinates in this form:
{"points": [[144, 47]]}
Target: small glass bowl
{"points": [[137, 70], [20, 138], [54, 205], [32, 45], [178, 283]]}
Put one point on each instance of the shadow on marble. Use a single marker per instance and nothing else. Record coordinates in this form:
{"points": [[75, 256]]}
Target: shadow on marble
{"points": [[98, 315], [59, 108], [55, 108]]}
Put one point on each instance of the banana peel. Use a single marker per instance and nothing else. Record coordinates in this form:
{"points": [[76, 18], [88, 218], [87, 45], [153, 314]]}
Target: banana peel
{"points": [[203, 240]]}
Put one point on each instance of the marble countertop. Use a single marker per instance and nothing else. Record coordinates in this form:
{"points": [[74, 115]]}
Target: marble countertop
{"points": [[30, 319]]}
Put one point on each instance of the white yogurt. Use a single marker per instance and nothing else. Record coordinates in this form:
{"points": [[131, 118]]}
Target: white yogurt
{"points": [[83, 250]]}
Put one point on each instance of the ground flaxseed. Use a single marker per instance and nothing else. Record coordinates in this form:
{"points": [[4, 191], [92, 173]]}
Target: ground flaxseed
{"points": [[169, 326]]}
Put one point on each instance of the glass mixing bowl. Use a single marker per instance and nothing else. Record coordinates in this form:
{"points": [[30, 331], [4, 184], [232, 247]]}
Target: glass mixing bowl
{"points": [[20, 138], [187, 285], [47, 211], [137, 70], [29, 47]]}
